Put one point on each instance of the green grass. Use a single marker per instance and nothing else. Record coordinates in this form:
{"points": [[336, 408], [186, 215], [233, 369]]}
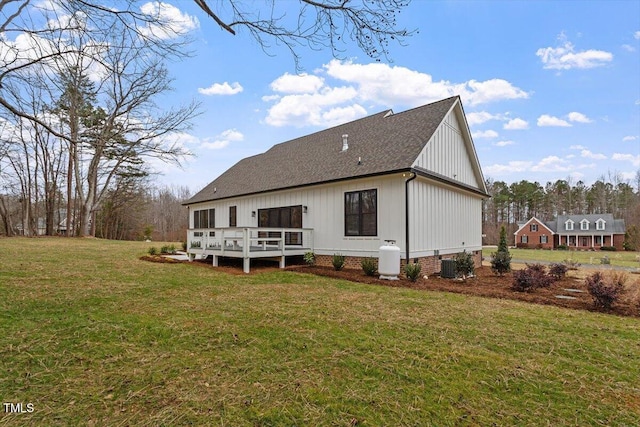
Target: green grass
{"points": [[91, 335], [617, 258]]}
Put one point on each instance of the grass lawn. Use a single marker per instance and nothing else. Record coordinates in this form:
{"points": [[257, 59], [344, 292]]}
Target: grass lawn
{"points": [[617, 258], [91, 335]]}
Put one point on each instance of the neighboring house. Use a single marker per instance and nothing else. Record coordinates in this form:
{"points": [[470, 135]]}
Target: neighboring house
{"points": [[412, 177], [574, 231]]}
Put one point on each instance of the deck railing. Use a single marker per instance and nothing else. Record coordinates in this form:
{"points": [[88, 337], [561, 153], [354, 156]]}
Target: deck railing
{"points": [[249, 242]]}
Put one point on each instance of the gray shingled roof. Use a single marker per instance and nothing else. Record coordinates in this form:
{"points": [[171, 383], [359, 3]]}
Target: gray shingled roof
{"points": [[615, 226], [385, 142]]}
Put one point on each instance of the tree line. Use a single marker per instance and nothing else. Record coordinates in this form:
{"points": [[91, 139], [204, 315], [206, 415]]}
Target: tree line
{"points": [[517, 202]]}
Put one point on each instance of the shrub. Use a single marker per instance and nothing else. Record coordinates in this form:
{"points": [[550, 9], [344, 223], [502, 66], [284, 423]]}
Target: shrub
{"points": [[153, 250], [502, 243], [562, 247], [571, 264], [605, 260], [521, 245], [338, 261], [558, 271], [605, 290], [369, 266], [534, 276], [608, 248], [184, 245], [168, 249], [464, 264], [412, 271], [309, 258], [500, 263]]}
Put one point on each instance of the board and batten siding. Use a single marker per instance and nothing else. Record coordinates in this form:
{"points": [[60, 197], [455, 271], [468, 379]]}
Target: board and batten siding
{"points": [[325, 213], [447, 154], [443, 218]]}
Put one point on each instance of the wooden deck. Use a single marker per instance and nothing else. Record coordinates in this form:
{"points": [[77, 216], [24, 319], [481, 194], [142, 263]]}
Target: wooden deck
{"points": [[248, 243]]}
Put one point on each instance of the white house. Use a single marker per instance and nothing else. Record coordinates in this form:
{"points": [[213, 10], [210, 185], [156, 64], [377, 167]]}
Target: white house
{"points": [[412, 177]]}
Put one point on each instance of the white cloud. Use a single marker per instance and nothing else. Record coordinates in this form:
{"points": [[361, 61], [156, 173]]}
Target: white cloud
{"points": [[317, 109], [547, 120], [636, 35], [577, 147], [588, 154], [484, 134], [172, 22], [510, 167], [629, 138], [388, 85], [222, 89], [516, 124], [503, 143], [628, 48], [578, 117], [223, 140], [480, 117], [635, 160], [565, 57], [306, 99], [302, 83]]}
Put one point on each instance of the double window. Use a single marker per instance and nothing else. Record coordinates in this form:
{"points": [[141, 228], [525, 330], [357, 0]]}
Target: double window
{"points": [[361, 213], [204, 218]]}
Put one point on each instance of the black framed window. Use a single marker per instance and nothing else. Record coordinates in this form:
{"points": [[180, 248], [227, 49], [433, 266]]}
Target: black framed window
{"points": [[282, 217], [361, 213], [233, 220], [204, 218], [524, 239], [533, 227]]}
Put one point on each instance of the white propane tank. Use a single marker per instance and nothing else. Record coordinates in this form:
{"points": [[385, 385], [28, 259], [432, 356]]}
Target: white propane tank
{"points": [[389, 260]]}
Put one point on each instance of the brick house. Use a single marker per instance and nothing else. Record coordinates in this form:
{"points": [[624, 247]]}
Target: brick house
{"points": [[574, 231]]}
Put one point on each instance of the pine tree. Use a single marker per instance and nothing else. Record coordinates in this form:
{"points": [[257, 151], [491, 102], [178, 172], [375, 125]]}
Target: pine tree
{"points": [[501, 260]]}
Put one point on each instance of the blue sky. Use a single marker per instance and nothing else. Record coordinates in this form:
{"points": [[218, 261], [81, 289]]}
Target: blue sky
{"points": [[551, 89]]}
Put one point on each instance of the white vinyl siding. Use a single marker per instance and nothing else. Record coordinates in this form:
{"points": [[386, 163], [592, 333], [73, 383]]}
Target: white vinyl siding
{"points": [[447, 154], [443, 219]]}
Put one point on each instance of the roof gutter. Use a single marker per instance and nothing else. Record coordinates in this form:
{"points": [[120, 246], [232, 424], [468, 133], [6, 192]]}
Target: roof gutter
{"points": [[406, 212]]}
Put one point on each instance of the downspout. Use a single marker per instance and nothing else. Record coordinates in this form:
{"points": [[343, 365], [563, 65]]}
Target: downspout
{"points": [[406, 212]]}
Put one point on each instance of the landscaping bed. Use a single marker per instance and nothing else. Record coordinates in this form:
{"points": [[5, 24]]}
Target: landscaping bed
{"points": [[487, 284]]}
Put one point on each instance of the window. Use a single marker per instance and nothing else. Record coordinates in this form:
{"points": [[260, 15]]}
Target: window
{"points": [[584, 224], [533, 227], [598, 241], [600, 224], [204, 218], [361, 213], [568, 225], [232, 217], [284, 217], [524, 239], [543, 239]]}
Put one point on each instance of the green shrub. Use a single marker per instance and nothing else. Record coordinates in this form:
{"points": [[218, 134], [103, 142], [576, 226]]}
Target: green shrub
{"points": [[500, 262], [608, 248], [465, 265], [605, 260], [369, 266], [534, 276], [184, 245], [562, 247], [338, 261], [153, 250], [502, 243], [605, 290], [164, 249], [309, 258], [412, 271]]}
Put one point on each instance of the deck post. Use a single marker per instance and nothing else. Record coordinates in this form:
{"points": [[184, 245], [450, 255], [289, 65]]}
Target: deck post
{"points": [[215, 261], [282, 261], [246, 264]]}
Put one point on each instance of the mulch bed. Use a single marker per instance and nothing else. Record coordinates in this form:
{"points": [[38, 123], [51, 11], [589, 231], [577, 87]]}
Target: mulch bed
{"points": [[484, 284]]}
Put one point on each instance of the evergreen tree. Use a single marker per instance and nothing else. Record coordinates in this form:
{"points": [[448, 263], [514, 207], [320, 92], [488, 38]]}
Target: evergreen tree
{"points": [[501, 260]]}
